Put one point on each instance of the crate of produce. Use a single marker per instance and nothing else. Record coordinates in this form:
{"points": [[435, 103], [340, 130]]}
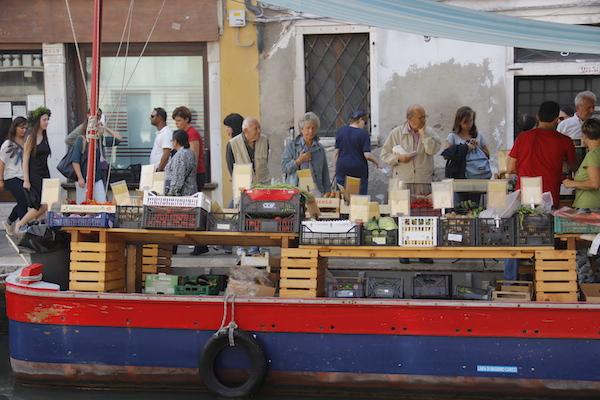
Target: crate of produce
{"points": [[470, 293], [556, 276], [223, 222], [302, 273], [198, 200], [97, 267], [496, 232], [385, 288], [417, 231], [131, 217], [535, 230], [421, 206], [567, 225], [380, 232], [346, 288], [432, 286], [160, 284], [457, 231], [202, 285], [330, 233], [271, 202], [176, 218], [99, 220], [289, 224]]}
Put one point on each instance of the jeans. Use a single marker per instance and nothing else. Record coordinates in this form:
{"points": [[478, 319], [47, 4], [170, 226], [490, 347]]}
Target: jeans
{"points": [[99, 193], [511, 269], [15, 187]]}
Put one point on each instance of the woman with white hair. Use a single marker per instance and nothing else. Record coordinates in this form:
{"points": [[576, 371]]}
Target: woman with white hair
{"points": [[305, 152]]}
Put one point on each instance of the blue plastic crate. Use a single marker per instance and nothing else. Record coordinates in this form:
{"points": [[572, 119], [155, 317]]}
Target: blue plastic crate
{"points": [[99, 220]]}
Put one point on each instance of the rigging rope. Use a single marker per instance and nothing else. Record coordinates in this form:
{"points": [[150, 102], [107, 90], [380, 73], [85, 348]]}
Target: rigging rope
{"points": [[77, 49]]}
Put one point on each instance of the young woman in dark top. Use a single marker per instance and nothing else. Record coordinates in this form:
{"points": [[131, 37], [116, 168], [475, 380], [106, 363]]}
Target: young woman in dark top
{"points": [[35, 165], [11, 170]]}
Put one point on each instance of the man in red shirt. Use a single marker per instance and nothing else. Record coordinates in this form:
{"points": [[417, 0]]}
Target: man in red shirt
{"points": [[542, 151]]}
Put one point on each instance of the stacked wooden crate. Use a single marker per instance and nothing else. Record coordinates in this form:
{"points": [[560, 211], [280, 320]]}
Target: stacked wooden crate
{"points": [[512, 291], [302, 273], [156, 259], [555, 276], [97, 266]]}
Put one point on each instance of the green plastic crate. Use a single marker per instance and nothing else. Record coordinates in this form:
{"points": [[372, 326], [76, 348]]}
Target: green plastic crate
{"points": [[160, 284], [203, 285], [566, 225]]}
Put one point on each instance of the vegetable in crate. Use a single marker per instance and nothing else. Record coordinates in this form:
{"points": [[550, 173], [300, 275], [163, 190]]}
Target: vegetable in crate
{"points": [[387, 223]]}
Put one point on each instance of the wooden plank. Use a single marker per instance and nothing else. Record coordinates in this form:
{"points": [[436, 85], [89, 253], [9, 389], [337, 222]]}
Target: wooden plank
{"points": [[96, 247], [299, 253], [545, 276], [498, 295], [100, 257], [156, 261], [302, 262], [133, 268], [556, 286], [555, 265], [298, 293], [301, 273], [570, 297], [96, 286], [554, 254], [299, 283], [96, 265], [96, 276], [157, 252]]}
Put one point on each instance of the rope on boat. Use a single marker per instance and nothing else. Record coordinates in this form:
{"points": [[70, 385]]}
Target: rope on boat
{"points": [[232, 326]]}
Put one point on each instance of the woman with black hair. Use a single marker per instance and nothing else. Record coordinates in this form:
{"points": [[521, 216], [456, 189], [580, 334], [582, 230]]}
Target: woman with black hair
{"points": [[35, 165], [180, 173], [11, 170]]}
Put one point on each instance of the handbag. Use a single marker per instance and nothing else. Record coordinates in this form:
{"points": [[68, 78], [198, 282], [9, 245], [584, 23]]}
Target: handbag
{"points": [[65, 165]]}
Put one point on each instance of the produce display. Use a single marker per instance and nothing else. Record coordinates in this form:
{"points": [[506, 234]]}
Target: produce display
{"points": [[382, 231]]}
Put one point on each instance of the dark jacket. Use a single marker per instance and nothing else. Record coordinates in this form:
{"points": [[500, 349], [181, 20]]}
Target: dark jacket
{"points": [[456, 161]]}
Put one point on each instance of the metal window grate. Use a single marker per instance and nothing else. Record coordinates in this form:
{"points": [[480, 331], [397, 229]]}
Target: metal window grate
{"points": [[337, 77], [531, 91]]}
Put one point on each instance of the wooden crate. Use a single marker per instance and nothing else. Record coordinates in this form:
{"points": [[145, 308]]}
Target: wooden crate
{"points": [[302, 273], [556, 276], [156, 259], [513, 291], [97, 267]]}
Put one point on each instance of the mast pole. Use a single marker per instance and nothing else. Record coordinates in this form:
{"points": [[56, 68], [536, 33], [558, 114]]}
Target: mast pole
{"points": [[95, 83]]}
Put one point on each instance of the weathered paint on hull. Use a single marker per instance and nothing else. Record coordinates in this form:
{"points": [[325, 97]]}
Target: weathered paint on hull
{"points": [[135, 339]]}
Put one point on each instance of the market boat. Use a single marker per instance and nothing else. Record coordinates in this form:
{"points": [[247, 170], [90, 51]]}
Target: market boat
{"points": [[114, 339]]}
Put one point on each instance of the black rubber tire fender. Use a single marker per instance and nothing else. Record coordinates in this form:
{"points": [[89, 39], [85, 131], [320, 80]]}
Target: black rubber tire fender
{"points": [[214, 346]]}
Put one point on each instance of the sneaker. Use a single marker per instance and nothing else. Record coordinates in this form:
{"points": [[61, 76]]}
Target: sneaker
{"points": [[9, 228]]}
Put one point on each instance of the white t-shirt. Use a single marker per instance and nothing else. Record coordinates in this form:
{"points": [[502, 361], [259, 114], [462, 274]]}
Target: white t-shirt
{"points": [[571, 127], [13, 167], [162, 141]]}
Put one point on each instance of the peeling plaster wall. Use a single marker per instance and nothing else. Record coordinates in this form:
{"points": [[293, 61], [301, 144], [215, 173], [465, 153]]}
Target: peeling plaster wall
{"points": [[441, 74]]}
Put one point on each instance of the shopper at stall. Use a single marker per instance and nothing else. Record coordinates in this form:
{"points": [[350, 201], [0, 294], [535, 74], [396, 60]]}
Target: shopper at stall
{"points": [[542, 151], [477, 159], [585, 102], [79, 160], [409, 149], [35, 166], [353, 150], [161, 150], [566, 112], [251, 147], [183, 120], [305, 152], [587, 178], [180, 172], [11, 170]]}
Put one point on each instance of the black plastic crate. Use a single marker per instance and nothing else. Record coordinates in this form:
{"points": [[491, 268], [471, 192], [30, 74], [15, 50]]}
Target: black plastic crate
{"points": [[131, 217], [176, 218], [385, 288], [271, 203], [352, 237], [289, 224], [457, 232], [346, 288], [131, 174], [223, 222], [380, 237], [432, 286], [494, 232], [535, 230], [202, 285]]}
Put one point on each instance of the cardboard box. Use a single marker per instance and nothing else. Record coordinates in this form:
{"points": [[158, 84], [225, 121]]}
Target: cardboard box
{"points": [[591, 292]]}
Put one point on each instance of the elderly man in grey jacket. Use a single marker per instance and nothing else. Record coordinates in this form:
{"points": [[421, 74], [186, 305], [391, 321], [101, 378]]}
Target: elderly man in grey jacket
{"points": [[409, 149]]}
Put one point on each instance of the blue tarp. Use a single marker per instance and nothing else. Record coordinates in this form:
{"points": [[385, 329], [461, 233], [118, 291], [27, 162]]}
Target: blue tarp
{"points": [[429, 18]]}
